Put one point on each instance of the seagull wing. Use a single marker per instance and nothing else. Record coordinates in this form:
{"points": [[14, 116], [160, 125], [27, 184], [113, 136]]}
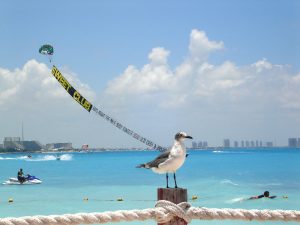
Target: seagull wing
{"points": [[158, 160]]}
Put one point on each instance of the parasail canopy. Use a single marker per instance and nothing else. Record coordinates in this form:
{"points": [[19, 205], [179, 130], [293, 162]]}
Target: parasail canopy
{"points": [[46, 50]]}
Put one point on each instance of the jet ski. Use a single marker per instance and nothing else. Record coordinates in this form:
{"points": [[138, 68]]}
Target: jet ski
{"points": [[29, 179]]}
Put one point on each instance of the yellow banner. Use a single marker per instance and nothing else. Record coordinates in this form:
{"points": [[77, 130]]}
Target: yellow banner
{"points": [[69, 88]]}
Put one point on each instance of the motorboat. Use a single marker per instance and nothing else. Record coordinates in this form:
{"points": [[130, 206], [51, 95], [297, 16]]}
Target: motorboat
{"points": [[29, 179]]}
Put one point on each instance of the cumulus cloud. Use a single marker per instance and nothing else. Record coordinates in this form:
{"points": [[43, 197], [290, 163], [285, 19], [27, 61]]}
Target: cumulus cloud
{"points": [[262, 65], [195, 95], [33, 84], [32, 95], [159, 56], [259, 96], [197, 80], [157, 77], [153, 77], [200, 46], [291, 92]]}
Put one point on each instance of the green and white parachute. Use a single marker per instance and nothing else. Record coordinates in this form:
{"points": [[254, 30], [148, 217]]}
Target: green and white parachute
{"points": [[46, 50]]}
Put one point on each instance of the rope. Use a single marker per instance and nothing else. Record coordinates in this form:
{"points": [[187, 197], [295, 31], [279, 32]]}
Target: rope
{"points": [[89, 106], [163, 212]]}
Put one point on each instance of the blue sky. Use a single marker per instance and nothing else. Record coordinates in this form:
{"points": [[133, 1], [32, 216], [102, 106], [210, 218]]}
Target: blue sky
{"points": [[98, 40]]}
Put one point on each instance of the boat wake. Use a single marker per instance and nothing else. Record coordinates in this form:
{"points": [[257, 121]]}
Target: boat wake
{"points": [[14, 158], [64, 157]]}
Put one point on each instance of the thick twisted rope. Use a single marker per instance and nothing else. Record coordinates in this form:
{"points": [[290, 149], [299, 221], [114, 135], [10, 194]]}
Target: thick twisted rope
{"points": [[163, 212]]}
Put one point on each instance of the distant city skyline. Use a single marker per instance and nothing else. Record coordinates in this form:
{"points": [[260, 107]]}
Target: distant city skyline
{"points": [[249, 143], [225, 142], [158, 67], [291, 142]]}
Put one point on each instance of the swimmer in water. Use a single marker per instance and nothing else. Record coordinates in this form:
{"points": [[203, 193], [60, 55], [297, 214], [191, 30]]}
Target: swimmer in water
{"points": [[266, 194]]}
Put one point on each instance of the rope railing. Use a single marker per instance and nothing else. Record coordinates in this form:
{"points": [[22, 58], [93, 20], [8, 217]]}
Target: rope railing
{"points": [[163, 212]]}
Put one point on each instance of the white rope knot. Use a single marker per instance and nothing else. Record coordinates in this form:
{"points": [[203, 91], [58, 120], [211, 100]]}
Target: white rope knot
{"points": [[171, 210]]}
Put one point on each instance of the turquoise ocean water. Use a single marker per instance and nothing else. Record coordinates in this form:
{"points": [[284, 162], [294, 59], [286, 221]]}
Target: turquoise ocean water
{"points": [[221, 178]]}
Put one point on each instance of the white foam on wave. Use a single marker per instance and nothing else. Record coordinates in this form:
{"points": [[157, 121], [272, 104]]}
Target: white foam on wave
{"points": [[231, 152], [64, 157], [14, 158], [226, 181], [22, 157], [5, 158], [218, 151], [43, 158], [235, 200]]}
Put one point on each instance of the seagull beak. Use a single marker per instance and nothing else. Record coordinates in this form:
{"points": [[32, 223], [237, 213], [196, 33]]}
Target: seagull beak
{"points": [[188, 137]]}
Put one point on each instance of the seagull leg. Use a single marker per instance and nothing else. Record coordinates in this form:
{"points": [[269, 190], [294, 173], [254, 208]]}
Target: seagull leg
{"points": [[175, 180], [167, 177]]}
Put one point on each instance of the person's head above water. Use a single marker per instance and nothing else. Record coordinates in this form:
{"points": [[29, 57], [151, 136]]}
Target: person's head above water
{"points": [[21, 169], [266, 194]]}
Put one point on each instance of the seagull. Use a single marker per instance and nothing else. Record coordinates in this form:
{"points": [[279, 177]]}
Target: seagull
{"points": [[171, 160]]}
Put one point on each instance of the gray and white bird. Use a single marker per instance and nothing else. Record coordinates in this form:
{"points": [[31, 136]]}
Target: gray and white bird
{"points": [[171, 160]]}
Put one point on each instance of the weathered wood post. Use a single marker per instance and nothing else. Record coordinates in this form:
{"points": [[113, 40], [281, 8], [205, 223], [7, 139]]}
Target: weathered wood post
{"points": [[175, 195]]}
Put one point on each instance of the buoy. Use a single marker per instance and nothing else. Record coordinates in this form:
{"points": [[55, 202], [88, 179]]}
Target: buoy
{"points": [[194, 197], [10, 200], [85, 199], [120, 199], [285, 196]]}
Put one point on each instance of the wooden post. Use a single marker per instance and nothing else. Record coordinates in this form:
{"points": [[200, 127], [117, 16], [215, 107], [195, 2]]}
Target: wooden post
{"points": [[175, 195]]}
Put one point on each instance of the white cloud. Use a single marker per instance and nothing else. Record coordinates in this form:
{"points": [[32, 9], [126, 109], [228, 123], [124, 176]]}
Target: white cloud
{"points": [[200, 46], [257, 95], [195, 95], [32, 95], [156, 76], [34, 84], [262, 65], [291, 92], [153, 77], [196, 80], [159, 56]]}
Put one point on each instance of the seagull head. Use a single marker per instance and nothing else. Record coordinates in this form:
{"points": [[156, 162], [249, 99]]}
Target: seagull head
{"points": [[180, 136]]}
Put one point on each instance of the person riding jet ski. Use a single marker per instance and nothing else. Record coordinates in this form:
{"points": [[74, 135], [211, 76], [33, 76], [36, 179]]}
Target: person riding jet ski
{"points": [[21, 177]]}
